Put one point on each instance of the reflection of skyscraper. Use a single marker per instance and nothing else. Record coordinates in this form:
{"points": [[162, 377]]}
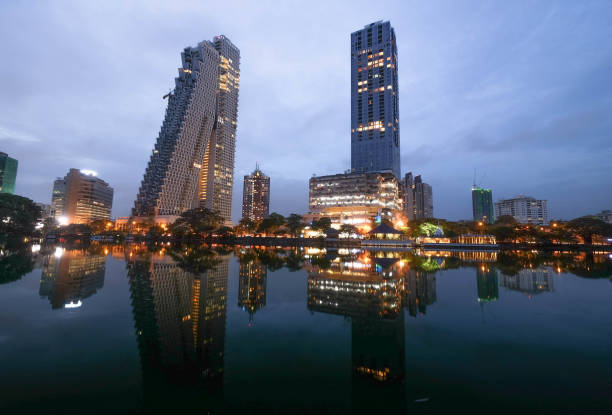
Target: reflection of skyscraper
{"points": [[529, 281], [180, 323], [370, 293], [252, 287], [68, 277], [486, 281], [419, 291]]}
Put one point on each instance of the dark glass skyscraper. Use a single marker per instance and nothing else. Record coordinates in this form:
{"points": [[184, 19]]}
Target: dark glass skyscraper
{"points": [[8, 173], [482, 205], [375, 135]]}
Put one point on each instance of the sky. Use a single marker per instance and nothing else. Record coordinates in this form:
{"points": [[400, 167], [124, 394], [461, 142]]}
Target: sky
{"points": [[519, 92]]}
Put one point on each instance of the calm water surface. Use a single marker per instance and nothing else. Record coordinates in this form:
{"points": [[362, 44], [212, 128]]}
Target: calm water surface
{"points": [[111, 329]]}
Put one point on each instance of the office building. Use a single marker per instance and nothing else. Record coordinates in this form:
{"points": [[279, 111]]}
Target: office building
{"points": [[8, 173], [354, 198], [375, 133], [418, 198], [46, 211], [256, 196], [482, 205], [192, 163], [81, 197], [524, 209]]}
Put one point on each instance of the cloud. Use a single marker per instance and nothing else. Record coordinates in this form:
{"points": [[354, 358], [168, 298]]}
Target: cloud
{"points": [[18, 136]]}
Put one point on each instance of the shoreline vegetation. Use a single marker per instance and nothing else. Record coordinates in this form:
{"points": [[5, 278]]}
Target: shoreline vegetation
{"points": [[21, 220]]}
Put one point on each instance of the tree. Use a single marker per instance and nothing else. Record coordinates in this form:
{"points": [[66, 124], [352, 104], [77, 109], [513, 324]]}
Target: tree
{"points": [[155, 232], [272, 223], [246, 225], [198, 221], [100, 225], [427, 229], [18, 215], [586, 227], [322, 224], [506, 220], [225, 231], [295, 224]]}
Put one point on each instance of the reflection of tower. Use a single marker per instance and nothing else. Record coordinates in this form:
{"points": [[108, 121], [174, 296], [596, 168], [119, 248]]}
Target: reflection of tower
{"points": [[371, 295], [419, 291], [529, 281], [252, 287], [486, 281], [180, 325], [71, 276]]}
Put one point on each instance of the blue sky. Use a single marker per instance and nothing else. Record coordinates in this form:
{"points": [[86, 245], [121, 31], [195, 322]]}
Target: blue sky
{"points": [[521, 91]]}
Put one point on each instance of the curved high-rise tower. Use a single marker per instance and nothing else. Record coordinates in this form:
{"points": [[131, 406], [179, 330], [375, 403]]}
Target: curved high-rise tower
{"points": [[192, 163]]}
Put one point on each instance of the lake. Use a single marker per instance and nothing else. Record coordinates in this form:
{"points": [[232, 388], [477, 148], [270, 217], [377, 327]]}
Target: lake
{"points": [[160, 329]]}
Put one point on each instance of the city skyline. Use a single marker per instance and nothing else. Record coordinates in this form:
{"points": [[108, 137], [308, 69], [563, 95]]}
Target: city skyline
{"points": [[484, 100]]}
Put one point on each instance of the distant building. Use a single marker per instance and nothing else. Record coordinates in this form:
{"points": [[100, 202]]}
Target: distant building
{"points": [[81, 197], [8, 173], [524, 209], [46, 211], [256, 196], [605, 215], [192, 163], [418, 198], [482, 205], [354, 198], [375, 135]]}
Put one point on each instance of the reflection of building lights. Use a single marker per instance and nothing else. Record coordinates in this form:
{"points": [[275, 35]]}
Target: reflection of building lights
{"points": [[72, 304], [35, 248], [62, 220], [59, 251]]}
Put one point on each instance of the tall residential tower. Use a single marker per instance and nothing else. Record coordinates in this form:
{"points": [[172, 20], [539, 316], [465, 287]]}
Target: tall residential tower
{"points": [[256, 196], [375, 135], [482, 205], [192, 163]]}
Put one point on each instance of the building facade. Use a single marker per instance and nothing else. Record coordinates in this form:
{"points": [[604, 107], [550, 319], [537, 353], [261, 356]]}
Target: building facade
{"points": [[256, 196], [418, 198], [8, 173], [375, 134], [524, 209], [192, 164], [354, 198], [482, 205], [81, 197]]}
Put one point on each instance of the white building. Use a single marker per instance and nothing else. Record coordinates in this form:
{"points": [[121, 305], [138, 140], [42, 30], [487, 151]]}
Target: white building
{"points": [[524, 209]]}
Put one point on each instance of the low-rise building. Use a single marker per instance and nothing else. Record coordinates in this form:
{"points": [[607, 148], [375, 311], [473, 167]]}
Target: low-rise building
{"points": [[355, 198], [525, 209]]}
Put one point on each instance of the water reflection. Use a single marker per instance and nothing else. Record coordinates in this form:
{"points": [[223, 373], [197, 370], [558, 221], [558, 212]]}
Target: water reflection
{"points": [[70, 276], [252, 287], [180, 321]]}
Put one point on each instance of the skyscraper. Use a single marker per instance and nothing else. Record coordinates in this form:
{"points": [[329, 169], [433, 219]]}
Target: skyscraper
{"points": [[375, 135], [8, 173], [81, 197], [192, 163], [256, 196], [418, 198], [482, 204]]}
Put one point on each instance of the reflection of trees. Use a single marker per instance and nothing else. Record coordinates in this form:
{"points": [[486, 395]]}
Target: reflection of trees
{"points": [[15, 266], [273, 259], [195, 259]]}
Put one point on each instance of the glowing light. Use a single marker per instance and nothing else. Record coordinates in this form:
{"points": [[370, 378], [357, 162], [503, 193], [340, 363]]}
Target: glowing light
{"points": [[35, 248], [89, 172], [62, 220], [72, 304], [59, 251]]}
